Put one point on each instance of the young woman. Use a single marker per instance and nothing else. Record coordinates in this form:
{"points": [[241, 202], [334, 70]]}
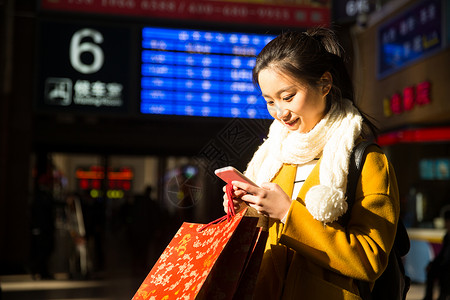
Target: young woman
{"points": [[302, 169]]}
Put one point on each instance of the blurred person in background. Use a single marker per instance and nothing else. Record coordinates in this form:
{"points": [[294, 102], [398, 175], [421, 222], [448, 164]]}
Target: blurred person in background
{"points": [[42, 227], [439, 268], [146, 222], [78, 254]]}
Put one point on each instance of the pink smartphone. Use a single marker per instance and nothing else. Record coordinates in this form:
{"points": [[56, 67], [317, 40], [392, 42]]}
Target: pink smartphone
{"points": [[229, 174]]}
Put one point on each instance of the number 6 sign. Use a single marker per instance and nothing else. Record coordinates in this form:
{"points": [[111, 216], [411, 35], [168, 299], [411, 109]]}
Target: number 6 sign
{"points": [[78, 47], [81, 66]]}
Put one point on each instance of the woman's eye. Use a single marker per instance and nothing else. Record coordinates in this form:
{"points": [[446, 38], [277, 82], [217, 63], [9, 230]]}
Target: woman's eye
{"points": [[287, 98], [269, 102]]}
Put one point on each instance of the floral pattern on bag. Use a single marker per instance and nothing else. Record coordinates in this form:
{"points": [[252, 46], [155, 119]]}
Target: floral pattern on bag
{"points": [[185, 264]]}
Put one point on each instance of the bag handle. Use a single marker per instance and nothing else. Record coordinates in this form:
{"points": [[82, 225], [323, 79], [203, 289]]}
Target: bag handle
{"points": [[231, 212]]}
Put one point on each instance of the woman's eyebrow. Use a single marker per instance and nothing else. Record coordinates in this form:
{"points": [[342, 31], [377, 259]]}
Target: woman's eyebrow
{"points": [[279, 91]]}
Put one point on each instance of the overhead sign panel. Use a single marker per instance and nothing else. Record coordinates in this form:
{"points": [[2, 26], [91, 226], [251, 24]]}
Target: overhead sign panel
{"points": [[200, 73], [275, 13], [408, 37], [81, 67]]}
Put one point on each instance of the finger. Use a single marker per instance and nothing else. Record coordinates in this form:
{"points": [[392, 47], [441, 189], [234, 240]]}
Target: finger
{"points": [[225, 205], [251, 189], [237, 201], [251, 199], [258, 208], [239, 193], [269, 185], [236, 191], [237, 204]]}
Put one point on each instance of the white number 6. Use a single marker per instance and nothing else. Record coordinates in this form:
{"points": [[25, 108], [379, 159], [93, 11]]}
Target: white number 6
{"points": [[77, 47]]}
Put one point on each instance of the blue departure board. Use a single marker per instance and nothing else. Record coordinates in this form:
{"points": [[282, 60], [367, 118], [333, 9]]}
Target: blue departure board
{"points": [[200, 73], [414, 34]]}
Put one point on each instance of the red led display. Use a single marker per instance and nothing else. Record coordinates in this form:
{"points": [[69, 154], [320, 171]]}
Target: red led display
{"points": [[410, 96], [118, 180]]}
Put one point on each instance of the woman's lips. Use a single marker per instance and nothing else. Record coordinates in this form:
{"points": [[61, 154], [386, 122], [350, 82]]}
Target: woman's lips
{"points": [[291, 123]]}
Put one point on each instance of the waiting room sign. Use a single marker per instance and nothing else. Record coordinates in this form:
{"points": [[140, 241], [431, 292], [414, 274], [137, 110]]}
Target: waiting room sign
{"points": [[81, 67]]}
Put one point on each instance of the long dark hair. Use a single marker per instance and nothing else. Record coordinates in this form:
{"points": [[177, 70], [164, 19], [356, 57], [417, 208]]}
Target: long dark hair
{"points": [[306, 56]]}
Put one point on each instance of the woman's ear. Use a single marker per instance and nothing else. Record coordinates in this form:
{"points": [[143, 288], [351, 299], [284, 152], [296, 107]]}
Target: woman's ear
{"points": [[326, 82]]}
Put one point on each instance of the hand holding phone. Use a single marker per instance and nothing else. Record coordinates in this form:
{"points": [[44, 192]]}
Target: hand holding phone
{"points": [[229, 174]]}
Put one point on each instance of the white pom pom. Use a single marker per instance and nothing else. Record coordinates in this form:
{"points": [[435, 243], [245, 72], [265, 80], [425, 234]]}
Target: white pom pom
{"points": [[325, 204]]}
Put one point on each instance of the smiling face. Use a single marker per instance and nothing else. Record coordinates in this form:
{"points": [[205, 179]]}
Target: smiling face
{"points": [[297, 105]]}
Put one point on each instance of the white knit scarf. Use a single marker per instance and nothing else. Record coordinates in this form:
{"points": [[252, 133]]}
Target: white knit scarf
{"points": [[334, 136]]}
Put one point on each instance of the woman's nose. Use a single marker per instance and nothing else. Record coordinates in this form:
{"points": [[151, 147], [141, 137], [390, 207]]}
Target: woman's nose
{"points": [[282, 113]]}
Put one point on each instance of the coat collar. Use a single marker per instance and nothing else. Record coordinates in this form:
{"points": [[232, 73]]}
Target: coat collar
{"points": [[286, 176]]}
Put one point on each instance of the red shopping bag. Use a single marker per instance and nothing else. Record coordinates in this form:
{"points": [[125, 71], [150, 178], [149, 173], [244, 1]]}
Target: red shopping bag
{"points": [[249, 275], [215, 261]]}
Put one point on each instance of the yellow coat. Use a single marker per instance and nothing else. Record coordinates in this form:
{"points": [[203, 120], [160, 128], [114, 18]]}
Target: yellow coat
{"points": [[306, 260]]}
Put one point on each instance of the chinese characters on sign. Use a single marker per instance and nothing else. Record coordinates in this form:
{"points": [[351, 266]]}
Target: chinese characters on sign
{"points": [[410, 36], [81, 67], [59, 91], [97, 93], [411, 96], [235, 12]]}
